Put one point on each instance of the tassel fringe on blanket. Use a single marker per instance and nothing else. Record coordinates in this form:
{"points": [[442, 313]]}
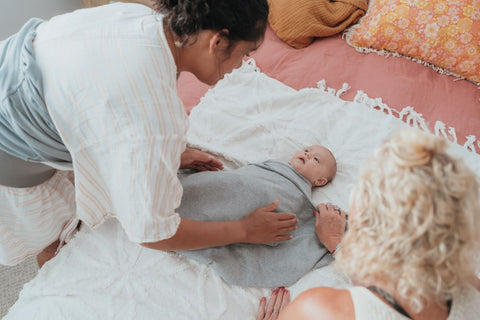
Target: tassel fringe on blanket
{"points": [[407, 115]]}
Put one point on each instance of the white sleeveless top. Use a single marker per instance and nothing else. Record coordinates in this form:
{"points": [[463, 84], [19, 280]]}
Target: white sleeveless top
{"points": [[465, 306]]}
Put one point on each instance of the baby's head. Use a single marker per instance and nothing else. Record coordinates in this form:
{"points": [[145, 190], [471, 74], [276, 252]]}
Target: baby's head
{"points": [[316, 163]]}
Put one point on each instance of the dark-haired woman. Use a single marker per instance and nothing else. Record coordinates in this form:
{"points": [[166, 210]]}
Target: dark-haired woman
{"points": [[94, 91]]}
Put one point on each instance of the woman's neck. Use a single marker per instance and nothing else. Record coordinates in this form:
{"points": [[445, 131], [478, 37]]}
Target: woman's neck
{"points": [[174, 49], [432, 311]]}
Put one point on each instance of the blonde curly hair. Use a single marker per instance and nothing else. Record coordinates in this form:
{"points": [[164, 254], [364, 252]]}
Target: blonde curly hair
{"points": [[417, 221]]}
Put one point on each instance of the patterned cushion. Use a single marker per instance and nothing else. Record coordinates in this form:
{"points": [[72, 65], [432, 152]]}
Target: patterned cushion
{"points": [[444, 34]]}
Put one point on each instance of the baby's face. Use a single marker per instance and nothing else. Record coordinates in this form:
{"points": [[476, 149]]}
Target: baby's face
{"points": [[316, 163]]}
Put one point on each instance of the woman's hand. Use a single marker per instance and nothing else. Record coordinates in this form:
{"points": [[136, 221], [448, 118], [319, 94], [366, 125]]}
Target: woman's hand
{"points": [[263, 225], [330, 224], [199, 160], [278, 301], [476, 283]]}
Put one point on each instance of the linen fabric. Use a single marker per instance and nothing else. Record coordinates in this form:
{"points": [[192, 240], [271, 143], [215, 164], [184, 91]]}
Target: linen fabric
{"points": [[231, 195], [368, 306], [299, 22], [110, 88], [25, 126], [444, 34], [33, 218]]}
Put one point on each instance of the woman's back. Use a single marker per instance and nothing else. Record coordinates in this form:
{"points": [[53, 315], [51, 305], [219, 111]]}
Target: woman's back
{"points": [[465, 306]]}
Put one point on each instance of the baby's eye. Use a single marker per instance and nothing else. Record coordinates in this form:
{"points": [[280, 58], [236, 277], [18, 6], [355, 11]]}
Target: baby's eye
{"points": [[306, 150], [316, 159]]}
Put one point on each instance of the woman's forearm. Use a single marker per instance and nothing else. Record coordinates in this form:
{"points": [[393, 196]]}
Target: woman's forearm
{"points": [[262, 225], [192, 234]]}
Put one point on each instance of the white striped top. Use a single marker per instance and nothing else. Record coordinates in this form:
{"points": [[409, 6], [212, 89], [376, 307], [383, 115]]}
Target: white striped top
{"points": [[110, 88]]}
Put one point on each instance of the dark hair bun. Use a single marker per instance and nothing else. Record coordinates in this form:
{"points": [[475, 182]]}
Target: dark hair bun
{"points": [[168, 5], [244, 19], [185, 17]]}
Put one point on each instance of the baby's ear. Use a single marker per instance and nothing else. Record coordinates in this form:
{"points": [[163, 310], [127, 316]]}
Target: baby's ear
{"points": [[320, 182]]}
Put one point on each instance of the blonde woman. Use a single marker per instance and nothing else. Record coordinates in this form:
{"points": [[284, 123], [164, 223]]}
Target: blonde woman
{"points": [[413, 240]]}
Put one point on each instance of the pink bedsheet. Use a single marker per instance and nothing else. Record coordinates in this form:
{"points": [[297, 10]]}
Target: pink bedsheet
{"points": [[398, 81]]}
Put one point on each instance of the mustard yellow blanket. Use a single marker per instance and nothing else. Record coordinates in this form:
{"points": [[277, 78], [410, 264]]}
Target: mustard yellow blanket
{"points": [[299, 22]]}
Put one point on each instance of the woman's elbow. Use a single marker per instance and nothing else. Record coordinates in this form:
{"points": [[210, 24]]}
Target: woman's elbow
{"points": [[163, 245], [176, 242]]}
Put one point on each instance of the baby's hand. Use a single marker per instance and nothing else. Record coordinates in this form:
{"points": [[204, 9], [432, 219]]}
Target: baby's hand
{"points": [[330, 223]]}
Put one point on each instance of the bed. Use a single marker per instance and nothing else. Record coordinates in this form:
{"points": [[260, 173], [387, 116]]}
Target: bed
{"points": [[281, 99]]}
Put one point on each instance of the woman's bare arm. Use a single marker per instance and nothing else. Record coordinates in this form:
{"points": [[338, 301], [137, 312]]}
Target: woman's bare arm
{"points": [[262, 225]]}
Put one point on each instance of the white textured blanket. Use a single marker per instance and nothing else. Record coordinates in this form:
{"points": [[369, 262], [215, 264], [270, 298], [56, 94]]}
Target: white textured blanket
{"points": [[247, 117]]}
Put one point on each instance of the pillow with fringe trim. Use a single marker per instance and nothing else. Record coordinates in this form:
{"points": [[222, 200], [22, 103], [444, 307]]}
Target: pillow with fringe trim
{"points": [[444, 35]]}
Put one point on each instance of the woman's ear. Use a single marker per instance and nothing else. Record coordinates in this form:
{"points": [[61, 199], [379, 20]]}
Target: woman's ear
{"points": [[217, 40], [214, 43], [320, 182]]}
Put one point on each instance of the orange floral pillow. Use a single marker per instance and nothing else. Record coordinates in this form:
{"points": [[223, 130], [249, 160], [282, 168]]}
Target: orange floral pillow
{"points": [[445, 34]]}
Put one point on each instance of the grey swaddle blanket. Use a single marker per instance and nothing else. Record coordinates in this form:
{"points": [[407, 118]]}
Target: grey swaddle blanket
{"points": [[230, 195]]}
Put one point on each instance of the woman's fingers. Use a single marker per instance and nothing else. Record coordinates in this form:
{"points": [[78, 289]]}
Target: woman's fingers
{"points": [[207, 166], [330, 208], [287, 229], [271, 207], [198, 160], [263, 225], [322, 206], [270, 304], [284, 216], [215, 163], [317, 220], [261, 309], [285, 299], [200, 167], [287, 223], [278, 301], [283, 237]]}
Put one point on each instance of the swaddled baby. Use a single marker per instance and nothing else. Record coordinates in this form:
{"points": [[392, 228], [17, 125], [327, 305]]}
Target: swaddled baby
{"points": [[230, 195]]}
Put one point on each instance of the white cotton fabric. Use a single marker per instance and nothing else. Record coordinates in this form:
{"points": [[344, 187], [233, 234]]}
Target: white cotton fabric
{"points": [[465, 306], [102, 275], [33, 218], [247, 117], [110, 88]]}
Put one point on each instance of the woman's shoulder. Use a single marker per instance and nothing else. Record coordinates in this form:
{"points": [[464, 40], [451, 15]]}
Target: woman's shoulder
{"points": [[108, 20], [321, 303], [466, 304]]}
